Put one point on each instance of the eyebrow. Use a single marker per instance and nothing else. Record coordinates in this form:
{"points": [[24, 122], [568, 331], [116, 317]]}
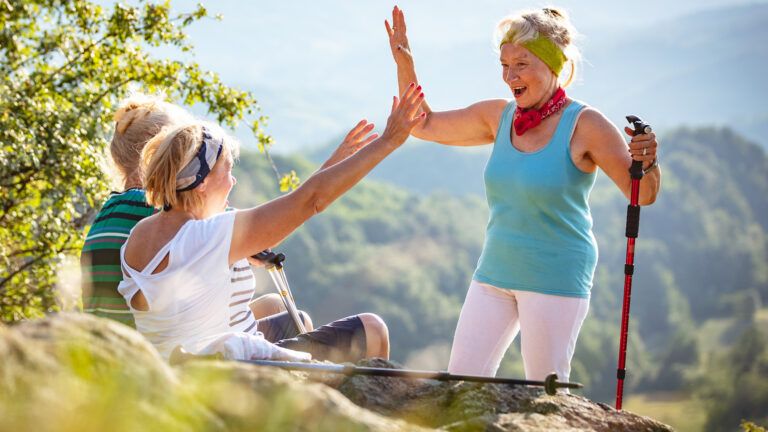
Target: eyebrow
{"points": [[520, 57]]}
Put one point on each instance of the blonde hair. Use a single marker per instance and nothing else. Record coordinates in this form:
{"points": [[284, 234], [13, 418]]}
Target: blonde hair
{"points": [[138, 118], [552, 23], [167, 153]]}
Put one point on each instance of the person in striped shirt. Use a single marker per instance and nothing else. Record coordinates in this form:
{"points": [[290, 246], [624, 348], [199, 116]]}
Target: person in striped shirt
{"points": [[137, 119]]}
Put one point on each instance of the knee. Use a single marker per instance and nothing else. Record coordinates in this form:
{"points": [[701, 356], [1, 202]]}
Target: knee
{"points": [[376, 335], [306, 320], [266, 305]]}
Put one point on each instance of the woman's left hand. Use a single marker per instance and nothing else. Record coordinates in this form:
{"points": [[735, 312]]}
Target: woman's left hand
{"points": [[356, 139], [643, 147]]}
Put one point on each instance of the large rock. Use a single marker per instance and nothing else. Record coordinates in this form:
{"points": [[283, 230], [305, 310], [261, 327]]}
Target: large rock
{"points": [[74, 372], [472, 406]]}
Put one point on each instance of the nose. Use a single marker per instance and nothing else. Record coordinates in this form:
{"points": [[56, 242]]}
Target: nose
{"points": [[510, 76]]}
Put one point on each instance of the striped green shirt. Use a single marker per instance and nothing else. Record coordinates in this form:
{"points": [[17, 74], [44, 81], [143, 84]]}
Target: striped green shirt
{"points": [[100, 257]]}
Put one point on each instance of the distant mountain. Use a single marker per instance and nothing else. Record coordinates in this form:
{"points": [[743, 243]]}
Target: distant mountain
{"points": [[704, 69]]}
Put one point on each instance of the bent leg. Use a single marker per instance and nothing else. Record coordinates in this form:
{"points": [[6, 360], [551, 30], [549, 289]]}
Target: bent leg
{"points": [[281, 326], [266, 305], [376, 336], [487, 325], [550, 326], [343, 340]]}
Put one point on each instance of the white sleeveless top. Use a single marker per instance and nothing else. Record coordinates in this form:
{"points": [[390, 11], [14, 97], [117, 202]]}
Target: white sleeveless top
{"points": [[198, 301]]}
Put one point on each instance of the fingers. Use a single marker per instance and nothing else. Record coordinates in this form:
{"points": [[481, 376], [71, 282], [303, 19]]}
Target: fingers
{"points": [[355, 130], [406, 102], [643, 147], [367, 140], [642, 141], [390, 33], [361, 132], [398, 19], [414, 102], [395, 103]]}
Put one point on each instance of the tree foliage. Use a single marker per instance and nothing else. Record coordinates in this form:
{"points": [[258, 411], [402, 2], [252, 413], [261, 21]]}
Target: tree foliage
{"points": [[64, 64]]}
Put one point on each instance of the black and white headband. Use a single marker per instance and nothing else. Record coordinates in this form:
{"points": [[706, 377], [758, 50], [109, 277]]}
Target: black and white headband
{"points": [[201, 165]]}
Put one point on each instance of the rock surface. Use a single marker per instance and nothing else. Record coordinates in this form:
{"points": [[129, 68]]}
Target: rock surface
{"points": [[77, 372]]}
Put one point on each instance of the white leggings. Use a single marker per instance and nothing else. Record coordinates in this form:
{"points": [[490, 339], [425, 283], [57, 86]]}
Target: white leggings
{"points": [[491, 318]]}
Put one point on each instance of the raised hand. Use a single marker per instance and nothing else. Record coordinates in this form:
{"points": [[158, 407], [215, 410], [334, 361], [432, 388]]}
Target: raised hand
{"points": [[398, 41], [356, 139], [404, 116]]}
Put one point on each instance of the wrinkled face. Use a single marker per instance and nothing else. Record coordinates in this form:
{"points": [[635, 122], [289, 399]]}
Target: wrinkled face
{"points": [[218, 184], [530, 79]]}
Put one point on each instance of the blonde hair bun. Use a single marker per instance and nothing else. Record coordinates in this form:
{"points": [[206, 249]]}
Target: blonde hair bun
{"points": [[138, 118]]}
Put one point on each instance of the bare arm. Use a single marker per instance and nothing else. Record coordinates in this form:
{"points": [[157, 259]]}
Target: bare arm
{"points": [[608, 150], [470, 126], [267, 225]]}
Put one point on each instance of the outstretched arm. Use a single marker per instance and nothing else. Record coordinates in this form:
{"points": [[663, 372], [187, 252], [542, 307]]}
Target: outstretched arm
{"points": [[267, 225], [473, 125]]}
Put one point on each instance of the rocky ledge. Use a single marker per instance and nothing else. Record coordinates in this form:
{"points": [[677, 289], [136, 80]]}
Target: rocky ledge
{"points": [[77, 372]]}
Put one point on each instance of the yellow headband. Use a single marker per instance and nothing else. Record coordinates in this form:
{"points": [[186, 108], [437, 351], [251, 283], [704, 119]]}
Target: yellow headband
{"points": [[544, 49]]}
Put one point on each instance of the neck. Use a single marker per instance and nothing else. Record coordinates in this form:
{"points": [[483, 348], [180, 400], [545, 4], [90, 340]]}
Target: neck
{"points": [[546, 99], [182, 214], [132, 181]]}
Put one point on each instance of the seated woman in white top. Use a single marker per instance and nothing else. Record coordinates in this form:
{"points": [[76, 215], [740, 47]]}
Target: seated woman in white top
{"points": [[178, 263]]}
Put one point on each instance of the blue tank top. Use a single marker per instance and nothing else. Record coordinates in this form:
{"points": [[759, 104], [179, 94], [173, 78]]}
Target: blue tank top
{"points": [[539, 235]]}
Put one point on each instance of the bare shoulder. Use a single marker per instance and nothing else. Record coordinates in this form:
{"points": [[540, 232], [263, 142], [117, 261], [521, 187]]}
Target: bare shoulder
{"points": [[490, 108], [490, 111], [145, 224], [592, 122], [594, 128]]}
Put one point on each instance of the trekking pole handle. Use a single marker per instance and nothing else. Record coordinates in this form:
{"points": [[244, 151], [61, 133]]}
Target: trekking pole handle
{"points": [[270, 258], [639, 127]]}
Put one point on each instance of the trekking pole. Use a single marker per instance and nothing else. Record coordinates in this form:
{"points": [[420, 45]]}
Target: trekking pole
{"points": [[274, 266], [550, 384], [633, 225]]}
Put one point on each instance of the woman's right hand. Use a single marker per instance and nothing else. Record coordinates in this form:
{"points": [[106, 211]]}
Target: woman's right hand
{"points": [[404, 116], [398, 41]]}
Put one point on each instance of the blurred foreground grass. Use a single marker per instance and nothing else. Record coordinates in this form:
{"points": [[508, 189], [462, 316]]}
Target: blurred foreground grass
{"points": [[77, 373]]}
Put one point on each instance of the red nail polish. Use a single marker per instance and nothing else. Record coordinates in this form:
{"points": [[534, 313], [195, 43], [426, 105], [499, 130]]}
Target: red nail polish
{"points": [[418, 88], [421, 95], [412, 84]]}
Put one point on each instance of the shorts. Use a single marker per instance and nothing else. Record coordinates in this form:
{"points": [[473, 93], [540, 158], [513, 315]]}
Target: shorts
{"points": [[339, 341]]}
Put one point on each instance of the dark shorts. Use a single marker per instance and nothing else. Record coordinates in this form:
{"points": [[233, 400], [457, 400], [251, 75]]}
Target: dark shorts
{"points": [[340, 341]]}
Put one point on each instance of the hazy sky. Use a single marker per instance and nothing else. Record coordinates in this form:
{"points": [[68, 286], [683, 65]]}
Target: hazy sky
{"points": [[318, 67]]}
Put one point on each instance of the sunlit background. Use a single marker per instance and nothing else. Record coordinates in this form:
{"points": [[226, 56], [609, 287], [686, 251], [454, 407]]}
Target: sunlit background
{"points": [[318, 67]]}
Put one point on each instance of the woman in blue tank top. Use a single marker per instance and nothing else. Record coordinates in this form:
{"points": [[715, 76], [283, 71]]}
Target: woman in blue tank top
{"points": [[535, 272]]}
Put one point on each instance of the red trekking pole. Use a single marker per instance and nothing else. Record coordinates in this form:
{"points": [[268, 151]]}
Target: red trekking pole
{"points": [[633, 225]]}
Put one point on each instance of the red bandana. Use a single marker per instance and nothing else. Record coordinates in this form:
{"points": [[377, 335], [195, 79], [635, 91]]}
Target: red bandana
{"points": [[530, 118]]}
